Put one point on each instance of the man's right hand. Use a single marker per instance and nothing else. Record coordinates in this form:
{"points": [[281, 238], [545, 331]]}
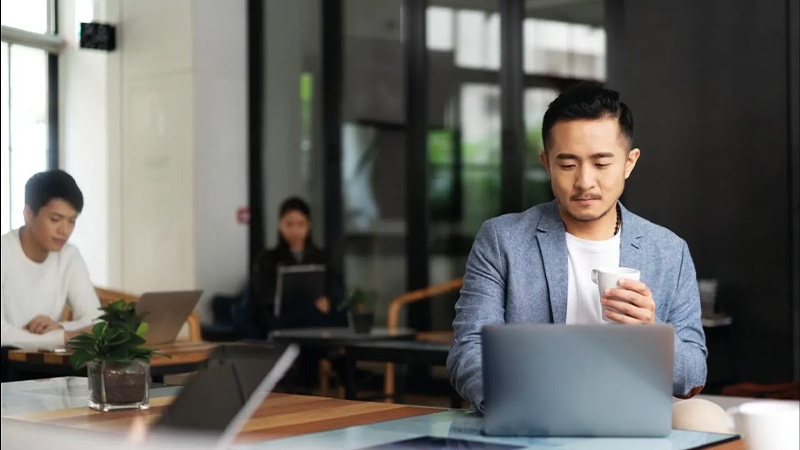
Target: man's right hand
{"points": [[42, 324]]}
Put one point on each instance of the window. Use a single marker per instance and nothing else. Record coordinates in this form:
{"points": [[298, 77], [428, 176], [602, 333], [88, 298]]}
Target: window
{"points": [[29, 97]]}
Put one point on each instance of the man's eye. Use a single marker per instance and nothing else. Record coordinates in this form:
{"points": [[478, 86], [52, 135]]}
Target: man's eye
{"points": [[568, 166], [602, 166]]}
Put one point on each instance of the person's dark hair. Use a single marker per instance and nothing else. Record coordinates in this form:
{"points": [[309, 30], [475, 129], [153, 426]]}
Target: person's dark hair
{"points": [[49, 185], [288, 205], [588, 101]]}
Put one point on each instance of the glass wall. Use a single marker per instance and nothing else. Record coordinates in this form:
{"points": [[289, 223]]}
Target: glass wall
{"points": [[373, 149], [554, 50], [464, 137], [25, 107]]}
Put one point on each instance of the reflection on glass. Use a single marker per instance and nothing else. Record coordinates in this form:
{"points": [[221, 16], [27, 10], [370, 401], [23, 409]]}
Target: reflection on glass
{"points": [[564, 49], [28, 122], [28, 15], [373, 150], [536, 182], [464, 137]]}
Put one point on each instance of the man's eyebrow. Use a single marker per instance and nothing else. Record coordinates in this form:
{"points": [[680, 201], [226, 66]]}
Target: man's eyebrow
{"points": [[566, 156], [563, 156]]}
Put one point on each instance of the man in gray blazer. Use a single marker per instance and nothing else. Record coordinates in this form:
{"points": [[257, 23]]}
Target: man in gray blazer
{"points": [[535, 266]]}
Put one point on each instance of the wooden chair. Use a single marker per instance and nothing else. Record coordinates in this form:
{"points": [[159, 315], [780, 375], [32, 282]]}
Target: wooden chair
{"points": [[393, 319], [107, 296]]}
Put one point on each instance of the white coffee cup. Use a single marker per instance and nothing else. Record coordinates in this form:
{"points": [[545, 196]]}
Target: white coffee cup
{"points": [[767, 424], [608, 278]]}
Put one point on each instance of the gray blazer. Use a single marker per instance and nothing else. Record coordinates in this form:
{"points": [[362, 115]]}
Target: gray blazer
{"points": [[517, 273]]}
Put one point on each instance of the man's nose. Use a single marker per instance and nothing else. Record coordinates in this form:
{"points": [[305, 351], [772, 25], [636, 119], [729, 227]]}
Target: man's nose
{"points": [[584, 178]]}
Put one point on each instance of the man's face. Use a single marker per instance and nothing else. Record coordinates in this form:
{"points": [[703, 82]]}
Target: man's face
{"points": [[588, 162], [53, 225]]}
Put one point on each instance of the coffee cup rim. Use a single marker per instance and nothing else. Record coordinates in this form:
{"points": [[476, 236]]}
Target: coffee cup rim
{"points": [[617, 270]]}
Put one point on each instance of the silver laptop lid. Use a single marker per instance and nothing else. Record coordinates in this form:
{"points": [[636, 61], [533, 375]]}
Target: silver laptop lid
{"points": [[166, 313], [578, 380]]}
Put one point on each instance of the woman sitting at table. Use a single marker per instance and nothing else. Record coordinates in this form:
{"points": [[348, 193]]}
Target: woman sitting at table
{"points": [[295, 247]]}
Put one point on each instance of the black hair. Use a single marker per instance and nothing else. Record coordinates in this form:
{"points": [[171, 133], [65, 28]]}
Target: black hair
{"points": [[49, 185], [588, 101], [289, 205]]}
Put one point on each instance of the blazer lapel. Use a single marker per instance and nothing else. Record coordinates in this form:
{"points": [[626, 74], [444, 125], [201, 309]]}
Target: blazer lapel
{"points": [[550, 234], [630, 251]]}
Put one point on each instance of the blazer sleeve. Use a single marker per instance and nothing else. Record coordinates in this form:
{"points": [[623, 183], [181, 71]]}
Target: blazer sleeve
{"points": [[689, 373], [482, 302]]}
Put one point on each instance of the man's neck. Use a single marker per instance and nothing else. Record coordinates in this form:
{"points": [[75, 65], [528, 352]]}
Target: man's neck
{"points": [[30, 247], [594, 230]]}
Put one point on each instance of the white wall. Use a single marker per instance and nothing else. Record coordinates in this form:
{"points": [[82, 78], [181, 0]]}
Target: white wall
{"points": [[155, 134], [220, 144]]}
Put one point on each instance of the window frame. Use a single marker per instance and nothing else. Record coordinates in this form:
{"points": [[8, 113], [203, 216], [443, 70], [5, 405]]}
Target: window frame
{"points": [[53, 44]]}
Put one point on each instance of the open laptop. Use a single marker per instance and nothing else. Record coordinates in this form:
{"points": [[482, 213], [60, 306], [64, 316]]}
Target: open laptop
{"points": [[298, 285], [578, 380], [166, 313], [218, 401]]}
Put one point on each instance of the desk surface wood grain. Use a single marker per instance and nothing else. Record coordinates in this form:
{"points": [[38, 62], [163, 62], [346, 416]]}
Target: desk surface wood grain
{"points": [[180, 352], [280, 415]]}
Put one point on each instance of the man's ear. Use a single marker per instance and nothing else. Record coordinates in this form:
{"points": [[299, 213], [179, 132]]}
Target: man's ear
{"points": [[630, 163], [28, 214], [545, 163]]}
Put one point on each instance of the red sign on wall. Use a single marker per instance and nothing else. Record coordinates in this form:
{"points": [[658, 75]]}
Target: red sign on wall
{"points": [[243, 215]]}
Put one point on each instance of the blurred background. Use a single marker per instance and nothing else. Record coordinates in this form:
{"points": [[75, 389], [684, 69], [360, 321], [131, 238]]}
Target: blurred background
{"points": [[405, 125]]}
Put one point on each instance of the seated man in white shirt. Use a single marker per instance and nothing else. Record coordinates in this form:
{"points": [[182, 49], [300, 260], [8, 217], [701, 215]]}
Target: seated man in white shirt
{"points": [[41, 272]]}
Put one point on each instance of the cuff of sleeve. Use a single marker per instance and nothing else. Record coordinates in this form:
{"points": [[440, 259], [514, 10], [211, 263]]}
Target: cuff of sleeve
{"points": [[55, 339]]}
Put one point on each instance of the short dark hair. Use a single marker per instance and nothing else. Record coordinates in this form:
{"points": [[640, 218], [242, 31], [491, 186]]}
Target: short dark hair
{"points": [[588, 101], [50, 184]]}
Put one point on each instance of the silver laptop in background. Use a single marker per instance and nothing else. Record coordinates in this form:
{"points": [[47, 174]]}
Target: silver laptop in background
{"points": [[166, 313], [578, 380]]}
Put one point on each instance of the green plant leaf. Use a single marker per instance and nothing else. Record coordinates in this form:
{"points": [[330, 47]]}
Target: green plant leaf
{"points": [[99, 329], [120, 353], [135, 339], [142, 329], [80, 358]]}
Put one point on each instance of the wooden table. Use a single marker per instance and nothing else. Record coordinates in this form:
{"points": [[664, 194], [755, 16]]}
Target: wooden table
{"points": [[298, 418], [281, 415], [181, 357]]}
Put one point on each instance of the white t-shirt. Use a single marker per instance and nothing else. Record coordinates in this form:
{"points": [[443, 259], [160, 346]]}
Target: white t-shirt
{"points": [[583, 297], [30, 289]]}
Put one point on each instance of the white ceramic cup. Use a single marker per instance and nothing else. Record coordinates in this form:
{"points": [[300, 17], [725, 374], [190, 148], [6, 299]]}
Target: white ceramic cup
{"points": [[767, 424], [608, 278]]}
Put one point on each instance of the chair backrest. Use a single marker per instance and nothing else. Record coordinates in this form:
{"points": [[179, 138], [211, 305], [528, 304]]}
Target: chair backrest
{"points": [[393, 316], [106, 296]]}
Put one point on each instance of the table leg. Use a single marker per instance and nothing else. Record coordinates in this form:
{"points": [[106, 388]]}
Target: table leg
{"points": [[400, 379], [349, 378]]}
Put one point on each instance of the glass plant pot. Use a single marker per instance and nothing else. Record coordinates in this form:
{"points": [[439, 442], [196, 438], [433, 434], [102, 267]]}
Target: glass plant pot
{"points": [[119, 384]]}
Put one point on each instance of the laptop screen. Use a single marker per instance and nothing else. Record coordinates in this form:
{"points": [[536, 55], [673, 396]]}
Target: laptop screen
{"points": [[219, 399]]}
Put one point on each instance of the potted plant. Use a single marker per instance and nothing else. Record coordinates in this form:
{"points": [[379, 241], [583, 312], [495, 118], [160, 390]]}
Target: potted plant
{"points": [[359, 306], [118, 367]]}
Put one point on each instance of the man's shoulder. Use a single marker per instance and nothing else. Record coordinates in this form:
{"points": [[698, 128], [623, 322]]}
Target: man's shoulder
{"points": [[513, 222], [658, 235]]}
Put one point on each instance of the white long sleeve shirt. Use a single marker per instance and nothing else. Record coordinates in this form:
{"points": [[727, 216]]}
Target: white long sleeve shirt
{"points": [[30, 289]]}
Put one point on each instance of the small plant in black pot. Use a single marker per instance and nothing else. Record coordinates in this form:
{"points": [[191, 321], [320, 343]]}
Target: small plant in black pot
{"points": [[118, 367], [359, 305]]}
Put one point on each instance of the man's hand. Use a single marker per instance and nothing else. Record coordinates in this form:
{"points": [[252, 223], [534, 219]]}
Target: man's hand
{"points": [[323, 305], [42, 324], [632, 303]]}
